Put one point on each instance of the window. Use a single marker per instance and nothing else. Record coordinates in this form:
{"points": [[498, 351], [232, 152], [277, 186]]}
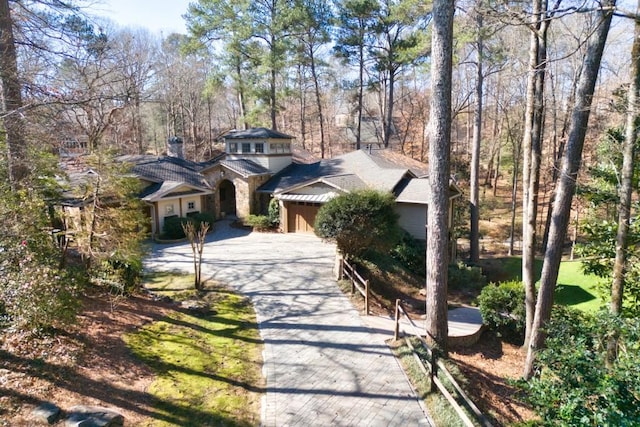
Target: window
{"points": [[233, 147], [246, 147], [259, 147], [191, 205], [168, 210], [276, 148]]}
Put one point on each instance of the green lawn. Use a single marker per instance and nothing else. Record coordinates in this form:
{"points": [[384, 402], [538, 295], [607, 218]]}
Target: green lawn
{"points": [[574, 288], [208, 366]]}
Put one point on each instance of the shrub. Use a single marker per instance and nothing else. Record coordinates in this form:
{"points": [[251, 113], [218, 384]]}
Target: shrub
{"points": [[462, 276], [172, 228], [202, 217], [123, 276], [258, 222], [575, 385], [503, 310], [35, 293], [359, 221], [411, 253], [274, 212]]}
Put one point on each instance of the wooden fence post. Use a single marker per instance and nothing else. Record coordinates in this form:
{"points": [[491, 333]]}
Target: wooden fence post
{"points": [[366, 297], [433, 371], [396, 331]]}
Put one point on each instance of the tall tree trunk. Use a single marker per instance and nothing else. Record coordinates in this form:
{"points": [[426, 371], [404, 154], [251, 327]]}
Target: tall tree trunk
{"points": [[11, 99], [303, 108], [497, 170], [474, 197], [388, 122], [514, 192], [439, 154], [567, 184], [360, 95], [532, 143], [314, 76], [626, 187], [272, 99], [241, 97]]}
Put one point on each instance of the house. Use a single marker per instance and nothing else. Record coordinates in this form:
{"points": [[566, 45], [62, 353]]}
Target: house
{"points": [[301, 189], [260, 164]]}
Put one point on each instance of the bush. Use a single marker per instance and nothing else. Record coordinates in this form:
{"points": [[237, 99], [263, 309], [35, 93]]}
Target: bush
{"points": [[503, 310], [462, 276], [411, 253], [172, 228], [359, 221], [123, 276], [35, 293], [274, 212], [575, 385], [258, 222]]}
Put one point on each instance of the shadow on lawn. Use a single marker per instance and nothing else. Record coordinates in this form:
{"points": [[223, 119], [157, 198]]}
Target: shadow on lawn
{"points": [[572, 295]]}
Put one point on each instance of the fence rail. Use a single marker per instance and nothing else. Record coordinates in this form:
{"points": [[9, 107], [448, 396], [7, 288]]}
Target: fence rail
{"points": [[436, 368], [357, 282]]}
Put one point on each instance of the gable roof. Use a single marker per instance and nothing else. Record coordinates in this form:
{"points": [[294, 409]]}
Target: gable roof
{"points": [[256, 133], [167, 174], [166, 168], [355, 170]]}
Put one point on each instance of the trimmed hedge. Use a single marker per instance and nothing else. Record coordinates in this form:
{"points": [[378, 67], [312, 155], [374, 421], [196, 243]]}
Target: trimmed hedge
{"points": [[172, 228], [503, 310]]}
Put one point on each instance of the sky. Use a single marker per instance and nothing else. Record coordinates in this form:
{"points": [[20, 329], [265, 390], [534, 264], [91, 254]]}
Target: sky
{"points": [[156, 15]]}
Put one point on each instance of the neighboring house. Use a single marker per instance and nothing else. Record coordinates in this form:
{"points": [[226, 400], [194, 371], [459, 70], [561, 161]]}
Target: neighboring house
{"points": [[259, 164]]}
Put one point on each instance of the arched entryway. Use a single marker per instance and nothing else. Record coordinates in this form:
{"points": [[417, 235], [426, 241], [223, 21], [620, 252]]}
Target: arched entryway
{"points": [[227, 198]]}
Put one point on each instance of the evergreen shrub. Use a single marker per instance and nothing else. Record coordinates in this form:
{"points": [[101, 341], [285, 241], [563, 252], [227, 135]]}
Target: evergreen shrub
{"points": [[503, 310]]}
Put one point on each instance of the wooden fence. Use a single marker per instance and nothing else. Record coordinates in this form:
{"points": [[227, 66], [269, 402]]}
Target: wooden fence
{"points": [[435, 369], [357, 282]]}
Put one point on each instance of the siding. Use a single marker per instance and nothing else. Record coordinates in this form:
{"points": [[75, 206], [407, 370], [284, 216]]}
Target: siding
{"points": [[413, 218]]}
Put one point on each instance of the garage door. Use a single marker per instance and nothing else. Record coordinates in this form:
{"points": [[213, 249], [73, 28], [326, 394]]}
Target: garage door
{"points": [[301, 216]]}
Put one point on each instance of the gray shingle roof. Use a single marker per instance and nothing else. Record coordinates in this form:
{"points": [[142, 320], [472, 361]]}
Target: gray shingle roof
{"points": [[257, 133], [245, 167], [354, 170], [159, 169], [166, 174]]}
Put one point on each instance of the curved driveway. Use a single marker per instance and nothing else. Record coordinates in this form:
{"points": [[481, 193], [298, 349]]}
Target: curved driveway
{"points": [[323, 367]]}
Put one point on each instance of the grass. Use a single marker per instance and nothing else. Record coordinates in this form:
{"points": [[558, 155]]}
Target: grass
{"points": [[575, 288], [439, 408], [208, 366]]}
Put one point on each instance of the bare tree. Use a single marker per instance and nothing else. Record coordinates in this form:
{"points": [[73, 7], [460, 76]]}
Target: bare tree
{"points": [[567, 183], [474, 199], [439, 156], [532, 152], [197, 237], [11, 98]]}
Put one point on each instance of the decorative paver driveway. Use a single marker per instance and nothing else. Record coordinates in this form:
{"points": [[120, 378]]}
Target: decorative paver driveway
{"points": [[323, 367]]}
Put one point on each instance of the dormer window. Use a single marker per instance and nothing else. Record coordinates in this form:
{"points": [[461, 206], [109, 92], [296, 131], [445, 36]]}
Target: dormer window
{"points": [[246, 147], [259, 147]]}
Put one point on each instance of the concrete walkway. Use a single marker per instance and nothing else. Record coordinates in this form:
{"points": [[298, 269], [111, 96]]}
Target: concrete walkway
{"points": [[323, 366]]}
